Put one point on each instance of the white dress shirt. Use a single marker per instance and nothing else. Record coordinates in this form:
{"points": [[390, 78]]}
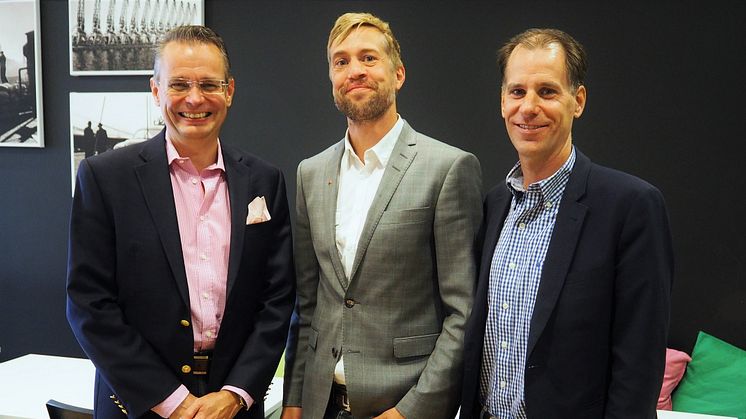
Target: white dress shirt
{"points": [[358, 184]]}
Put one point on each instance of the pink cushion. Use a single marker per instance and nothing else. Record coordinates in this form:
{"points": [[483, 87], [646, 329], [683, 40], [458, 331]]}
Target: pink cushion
{"points": [[675, 366]]}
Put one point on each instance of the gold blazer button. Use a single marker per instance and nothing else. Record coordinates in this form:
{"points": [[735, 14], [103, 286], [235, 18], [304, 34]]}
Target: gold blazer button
{"points": [[184, 323], [186, 369]]}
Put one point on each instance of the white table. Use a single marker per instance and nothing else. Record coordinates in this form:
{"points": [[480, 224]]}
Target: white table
{"points": [[665, 414], [26, 383]]}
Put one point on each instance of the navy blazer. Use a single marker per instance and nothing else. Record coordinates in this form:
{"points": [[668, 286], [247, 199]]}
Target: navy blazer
{"points": [[596, 345], [127, 289]]}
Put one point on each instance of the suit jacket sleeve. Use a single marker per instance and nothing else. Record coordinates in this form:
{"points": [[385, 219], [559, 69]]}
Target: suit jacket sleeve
{"points": [[307, 273], [641, 308], [458, 213], [126, 361]]}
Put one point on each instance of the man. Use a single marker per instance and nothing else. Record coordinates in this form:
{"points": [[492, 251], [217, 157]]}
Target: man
{"points": [[180, 282], [571, 313], [89, 141], [386, 219], [102, 139], [3, 78]]}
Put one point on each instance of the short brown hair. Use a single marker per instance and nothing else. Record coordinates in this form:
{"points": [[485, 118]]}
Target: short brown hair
{"points": [[575, 58], [194, 34], [348, 22]]}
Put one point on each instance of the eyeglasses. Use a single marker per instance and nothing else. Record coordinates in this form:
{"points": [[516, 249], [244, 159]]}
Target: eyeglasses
{"points": [[178, 87]]}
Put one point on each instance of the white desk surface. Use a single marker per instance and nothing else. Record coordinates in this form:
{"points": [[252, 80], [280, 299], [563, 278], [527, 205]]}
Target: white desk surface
{"points": [[26, 383], [665, 414]]}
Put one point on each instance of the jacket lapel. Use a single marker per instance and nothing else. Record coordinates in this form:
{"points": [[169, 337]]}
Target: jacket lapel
{"points": [[331, 189], [239, 178], [561, 250], [155, 183], [401, 158]]}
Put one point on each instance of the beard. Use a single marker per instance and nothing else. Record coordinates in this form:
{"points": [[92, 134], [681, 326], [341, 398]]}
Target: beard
{"points": [[380, 100]]}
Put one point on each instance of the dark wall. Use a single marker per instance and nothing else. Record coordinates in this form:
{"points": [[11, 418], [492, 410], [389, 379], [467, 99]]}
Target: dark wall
{"points": [[665, 94]]}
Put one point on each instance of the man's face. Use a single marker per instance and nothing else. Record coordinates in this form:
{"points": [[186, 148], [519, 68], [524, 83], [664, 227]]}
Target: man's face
{"points": [[364, 80], [192, 115], [538, 103]]}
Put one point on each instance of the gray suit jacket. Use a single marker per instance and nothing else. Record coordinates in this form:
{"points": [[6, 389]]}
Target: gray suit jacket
{"points": [[399, 318]]}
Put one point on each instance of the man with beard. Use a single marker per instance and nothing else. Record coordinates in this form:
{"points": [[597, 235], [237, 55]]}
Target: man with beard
{"points": [[386, 221]]}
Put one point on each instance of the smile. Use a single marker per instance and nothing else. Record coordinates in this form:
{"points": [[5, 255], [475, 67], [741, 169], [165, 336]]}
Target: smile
{"points": [[530, 127], [195, 115]]}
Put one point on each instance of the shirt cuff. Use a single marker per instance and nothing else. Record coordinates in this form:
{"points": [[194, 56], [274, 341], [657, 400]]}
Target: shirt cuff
{"points": [[244, 395], [167, 407]]}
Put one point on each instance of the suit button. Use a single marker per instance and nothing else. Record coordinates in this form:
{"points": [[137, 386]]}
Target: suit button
{"points": [[334, 352], [349, 303], [186, 369], [184, 323]]}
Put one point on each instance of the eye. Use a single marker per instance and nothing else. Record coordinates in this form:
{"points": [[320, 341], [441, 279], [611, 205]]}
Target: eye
{"points": [[370, 59], [211, 86], [178, 85], [340, 62], [517, 92], [547, 92]]}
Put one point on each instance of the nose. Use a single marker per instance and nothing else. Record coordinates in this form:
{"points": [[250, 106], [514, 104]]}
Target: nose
{"points": [[194, 95], [355, 69], [530, 104]]}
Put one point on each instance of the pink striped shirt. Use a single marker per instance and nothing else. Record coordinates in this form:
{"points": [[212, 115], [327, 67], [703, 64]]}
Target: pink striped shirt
{"points": [[204, 215]]}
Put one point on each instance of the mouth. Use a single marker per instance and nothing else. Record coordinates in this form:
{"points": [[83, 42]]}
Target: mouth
{"points": [[356, 87], [530, 127], [189, 115]]}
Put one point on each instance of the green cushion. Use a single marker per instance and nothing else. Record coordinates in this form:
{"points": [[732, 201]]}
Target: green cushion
{"points": [[715, 380]]}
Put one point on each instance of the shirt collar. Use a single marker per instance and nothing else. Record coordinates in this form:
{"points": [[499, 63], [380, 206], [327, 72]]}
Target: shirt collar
{"points": [[173, 155], [381, 152], [549, 187]]}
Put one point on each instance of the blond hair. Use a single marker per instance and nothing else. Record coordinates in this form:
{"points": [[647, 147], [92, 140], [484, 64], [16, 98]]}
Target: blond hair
{"points": [[349, 22]]}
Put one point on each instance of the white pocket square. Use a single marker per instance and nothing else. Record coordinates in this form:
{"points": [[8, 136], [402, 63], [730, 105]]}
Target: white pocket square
{"points": [[258, 212]]}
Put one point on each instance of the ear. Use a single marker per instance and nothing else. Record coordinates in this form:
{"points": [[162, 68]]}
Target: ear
{"points": [[230, 91], [580, 97], [154, 91], [401, 74], [502, 102]]}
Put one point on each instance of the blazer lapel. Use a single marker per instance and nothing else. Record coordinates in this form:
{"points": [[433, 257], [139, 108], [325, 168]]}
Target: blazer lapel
{"points": [[561, 249], [155, 183], [329, 220], [239, 178], [401, 158]]}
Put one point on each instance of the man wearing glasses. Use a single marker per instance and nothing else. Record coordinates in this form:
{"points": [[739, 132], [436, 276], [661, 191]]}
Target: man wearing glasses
{"points": [[180, 272]]}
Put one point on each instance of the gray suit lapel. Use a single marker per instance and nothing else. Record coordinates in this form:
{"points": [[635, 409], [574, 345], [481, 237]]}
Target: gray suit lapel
{"points": [[401, 158], [561, 250], [155, 183], [331, 189]]}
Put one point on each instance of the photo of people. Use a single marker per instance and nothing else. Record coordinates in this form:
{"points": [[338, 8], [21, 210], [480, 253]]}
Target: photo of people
{"points": [[115, 38], [100, 122], [20, 75]]}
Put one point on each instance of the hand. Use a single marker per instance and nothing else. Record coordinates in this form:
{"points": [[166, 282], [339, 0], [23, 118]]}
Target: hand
{"points": [[218, 405], [179, 412], [390, 414], [291, 412]]}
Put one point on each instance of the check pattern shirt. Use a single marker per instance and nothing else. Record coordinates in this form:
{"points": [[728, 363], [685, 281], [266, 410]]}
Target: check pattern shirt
{"points": [[514, 279]]}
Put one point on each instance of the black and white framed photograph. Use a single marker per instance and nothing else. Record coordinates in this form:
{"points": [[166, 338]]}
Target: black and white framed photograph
{"points": [[100, 122], [21, 121], [110, 37]]}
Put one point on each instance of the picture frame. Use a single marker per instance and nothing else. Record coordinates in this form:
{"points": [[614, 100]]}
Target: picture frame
{"points": [[110, 37], [105, 121], [21, 110]]}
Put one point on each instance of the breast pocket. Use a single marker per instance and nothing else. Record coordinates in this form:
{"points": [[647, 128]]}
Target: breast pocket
{"points": [[407, 216]]}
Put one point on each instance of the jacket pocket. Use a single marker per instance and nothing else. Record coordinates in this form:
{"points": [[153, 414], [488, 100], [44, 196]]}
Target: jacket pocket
{"points": [[407, 216], [409, 346]]}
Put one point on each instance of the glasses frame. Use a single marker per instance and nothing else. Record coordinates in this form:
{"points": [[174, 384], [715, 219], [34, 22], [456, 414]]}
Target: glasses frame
{"points": [[198, 83]]}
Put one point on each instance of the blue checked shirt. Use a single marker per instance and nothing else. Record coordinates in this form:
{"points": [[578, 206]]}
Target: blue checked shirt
{"points": [[514, 281]]}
